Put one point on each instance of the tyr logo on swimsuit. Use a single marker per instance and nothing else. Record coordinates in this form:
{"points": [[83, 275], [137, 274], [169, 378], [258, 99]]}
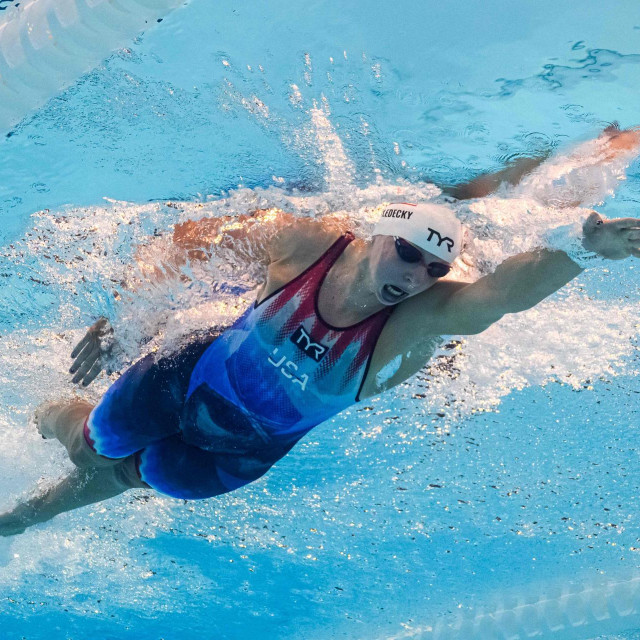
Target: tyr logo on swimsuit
{"points": [[305, 343]]}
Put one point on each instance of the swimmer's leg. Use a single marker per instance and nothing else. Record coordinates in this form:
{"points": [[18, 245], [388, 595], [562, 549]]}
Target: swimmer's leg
{"points": [[82, 487], [97, 478]]}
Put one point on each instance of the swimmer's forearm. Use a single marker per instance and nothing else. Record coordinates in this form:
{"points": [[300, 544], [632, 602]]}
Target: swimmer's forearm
{"points": [[528, 278], [248, 237], [196, 237], [614, 143], [191, 241], [487, 183]]}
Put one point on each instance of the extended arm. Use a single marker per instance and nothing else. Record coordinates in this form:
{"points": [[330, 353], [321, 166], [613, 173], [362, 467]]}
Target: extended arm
{"points": [[459, 308], [519, 283], [522, 281]]}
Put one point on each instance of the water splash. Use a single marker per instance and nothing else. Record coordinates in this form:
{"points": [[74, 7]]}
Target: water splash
{"points": [[583, 177]]}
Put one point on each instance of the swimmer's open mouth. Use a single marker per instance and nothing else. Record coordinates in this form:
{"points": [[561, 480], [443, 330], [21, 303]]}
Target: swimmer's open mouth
{"points": [[393, 294]]}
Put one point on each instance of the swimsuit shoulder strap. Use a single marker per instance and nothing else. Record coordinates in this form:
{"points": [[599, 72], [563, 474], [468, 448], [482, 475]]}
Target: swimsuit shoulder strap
{"points": [[315, 272], [329, 257], [312, 278]]}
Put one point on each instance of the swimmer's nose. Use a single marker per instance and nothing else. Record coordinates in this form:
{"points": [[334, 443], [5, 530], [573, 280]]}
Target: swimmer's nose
{"points": [[410, 281], [416, 275]]}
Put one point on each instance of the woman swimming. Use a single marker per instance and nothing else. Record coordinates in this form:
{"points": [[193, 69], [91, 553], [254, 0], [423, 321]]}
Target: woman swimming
{"points": [[334, 311]]}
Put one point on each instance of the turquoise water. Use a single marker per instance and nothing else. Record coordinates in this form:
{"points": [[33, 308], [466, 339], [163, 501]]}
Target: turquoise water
{"points": [[513, 463]]}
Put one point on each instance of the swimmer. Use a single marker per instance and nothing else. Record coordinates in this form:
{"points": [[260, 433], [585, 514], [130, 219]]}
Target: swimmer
{"points": [[334, 311]]}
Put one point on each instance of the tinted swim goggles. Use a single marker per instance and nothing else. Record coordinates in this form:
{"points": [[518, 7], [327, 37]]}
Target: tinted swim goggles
{"points": [[408, 253]]}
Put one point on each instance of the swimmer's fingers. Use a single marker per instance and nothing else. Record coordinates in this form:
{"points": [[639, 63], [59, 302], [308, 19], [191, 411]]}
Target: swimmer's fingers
{"points": [[86, 365], [81, 345], [625, 224], [92, 374], [99, 329], [90, 347]]}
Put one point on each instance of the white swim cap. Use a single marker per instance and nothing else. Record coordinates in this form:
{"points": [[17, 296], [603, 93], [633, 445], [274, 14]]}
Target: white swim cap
{"points": [[432, 227]]}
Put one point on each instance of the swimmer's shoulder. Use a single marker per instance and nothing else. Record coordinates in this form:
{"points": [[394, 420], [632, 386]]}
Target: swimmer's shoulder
{"points": [[306, 238], [296, 246]]}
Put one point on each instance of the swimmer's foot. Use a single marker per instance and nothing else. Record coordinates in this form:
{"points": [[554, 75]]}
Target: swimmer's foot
{"points": [[11, 524], [42, 419]]}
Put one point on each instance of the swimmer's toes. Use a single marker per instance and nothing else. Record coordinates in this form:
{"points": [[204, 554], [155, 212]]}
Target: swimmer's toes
{"points": [[40, 420]]}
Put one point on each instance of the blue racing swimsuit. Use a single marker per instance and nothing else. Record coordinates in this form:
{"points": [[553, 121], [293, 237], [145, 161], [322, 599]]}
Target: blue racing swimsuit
{"points": [[220, 412]]}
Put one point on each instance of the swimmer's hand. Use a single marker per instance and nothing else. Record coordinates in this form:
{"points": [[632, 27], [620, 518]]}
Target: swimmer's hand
{"points": [[620, 141], [92, 352], [613, 239]]}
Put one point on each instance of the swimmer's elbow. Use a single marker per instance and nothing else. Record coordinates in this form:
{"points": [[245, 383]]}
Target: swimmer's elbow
{"points": [[474, 308]]}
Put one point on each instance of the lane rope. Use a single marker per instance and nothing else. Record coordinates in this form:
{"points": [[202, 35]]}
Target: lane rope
{"points": [[46, 45], [552, 611]]}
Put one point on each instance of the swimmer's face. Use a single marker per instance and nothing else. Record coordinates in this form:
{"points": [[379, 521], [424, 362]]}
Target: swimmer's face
{"points": [[395, 279]]}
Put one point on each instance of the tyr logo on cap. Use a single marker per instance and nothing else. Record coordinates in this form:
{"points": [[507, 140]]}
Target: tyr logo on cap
{"points": [[430, 226], [449, 241]]}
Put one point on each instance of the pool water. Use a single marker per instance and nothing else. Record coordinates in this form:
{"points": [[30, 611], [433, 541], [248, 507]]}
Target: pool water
{"points": [[507, 466]]}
